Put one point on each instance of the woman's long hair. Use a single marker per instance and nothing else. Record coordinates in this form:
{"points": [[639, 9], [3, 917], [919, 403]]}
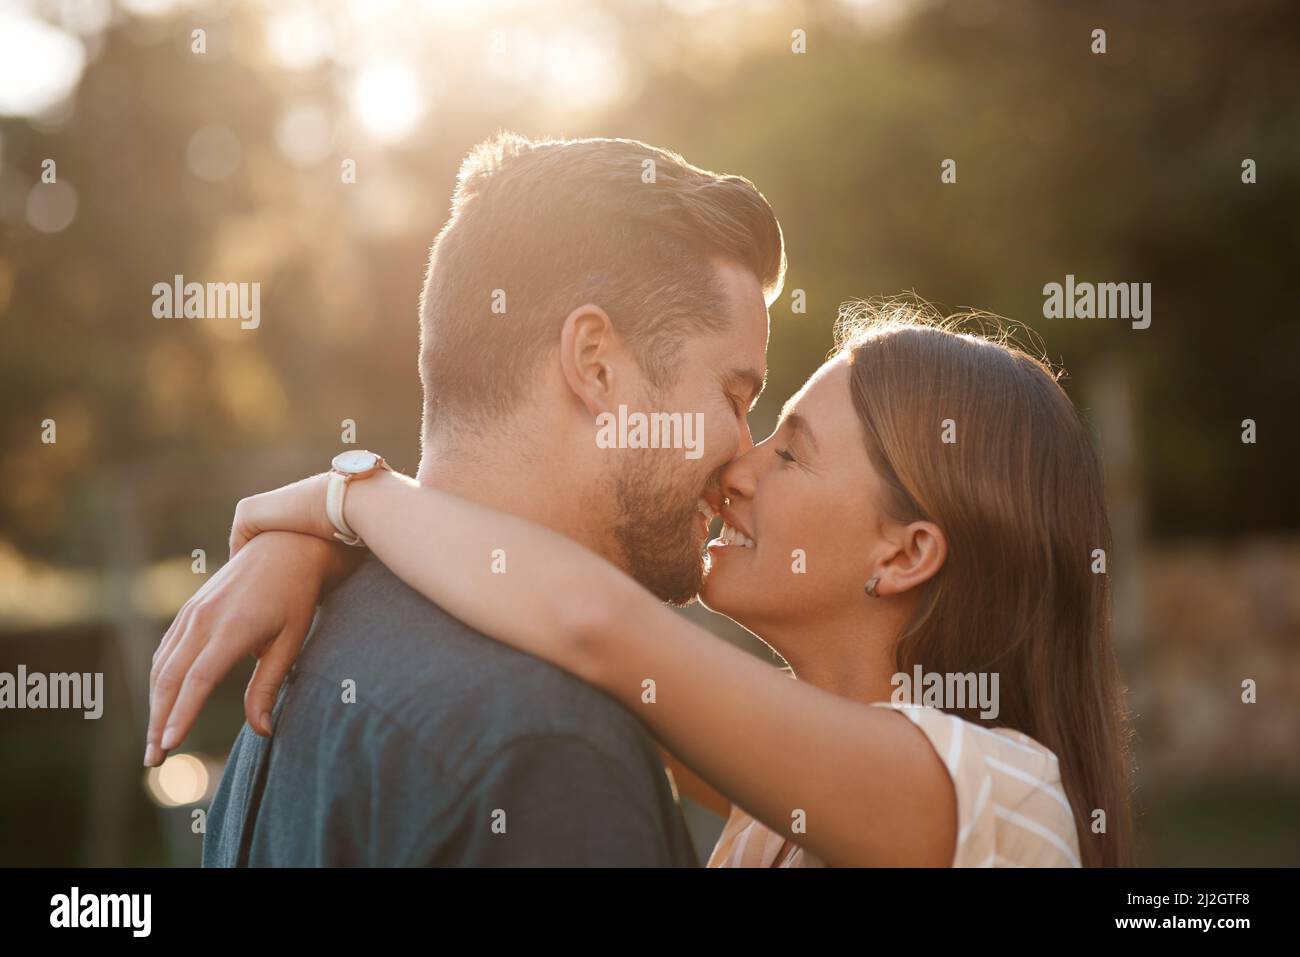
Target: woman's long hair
{"points": [[974, 434]]}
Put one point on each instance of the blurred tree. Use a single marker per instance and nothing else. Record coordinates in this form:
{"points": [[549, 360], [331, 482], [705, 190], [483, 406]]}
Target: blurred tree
{"points": [[1124, 166]]}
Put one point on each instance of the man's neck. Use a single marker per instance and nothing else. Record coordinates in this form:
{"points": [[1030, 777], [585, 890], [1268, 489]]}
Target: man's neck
{"points": [[516, 486]]}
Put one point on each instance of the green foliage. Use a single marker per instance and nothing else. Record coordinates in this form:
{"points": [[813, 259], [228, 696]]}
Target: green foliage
{"points": [[1115, 167]]}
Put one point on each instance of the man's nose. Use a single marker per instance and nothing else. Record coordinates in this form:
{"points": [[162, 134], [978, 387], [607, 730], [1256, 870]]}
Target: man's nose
{"points": [[746, 438]]}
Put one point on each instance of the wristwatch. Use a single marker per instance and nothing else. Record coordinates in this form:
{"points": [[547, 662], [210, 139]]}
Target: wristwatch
{"points": [[348, 467]]}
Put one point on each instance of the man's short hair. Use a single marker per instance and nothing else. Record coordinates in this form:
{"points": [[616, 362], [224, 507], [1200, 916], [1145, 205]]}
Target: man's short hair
{"points": [[540, 227]]}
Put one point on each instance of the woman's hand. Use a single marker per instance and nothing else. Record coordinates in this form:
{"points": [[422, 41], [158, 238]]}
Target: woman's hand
{"points": [[299, 507], [260, 603]]}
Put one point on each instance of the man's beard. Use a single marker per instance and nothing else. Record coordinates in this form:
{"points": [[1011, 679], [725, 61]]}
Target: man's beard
{"points": [[658, 530]]}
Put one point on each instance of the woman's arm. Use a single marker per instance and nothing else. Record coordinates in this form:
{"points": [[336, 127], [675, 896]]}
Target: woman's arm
{"points": [[691, 785], [261, 603], [864, 782]]}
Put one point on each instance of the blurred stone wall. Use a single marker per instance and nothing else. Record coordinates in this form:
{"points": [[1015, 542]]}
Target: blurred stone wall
{"points": [[1215, 615]]}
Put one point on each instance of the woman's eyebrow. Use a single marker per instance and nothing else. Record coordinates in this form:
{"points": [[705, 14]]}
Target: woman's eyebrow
{"points": [[801, 425]]}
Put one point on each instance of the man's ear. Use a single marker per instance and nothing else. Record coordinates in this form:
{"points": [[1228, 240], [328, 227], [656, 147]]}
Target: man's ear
{"points": [[919, 551], [589, 347]]}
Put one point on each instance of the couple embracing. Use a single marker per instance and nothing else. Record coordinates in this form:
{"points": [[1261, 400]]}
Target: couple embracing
{"points": [[478, 666]]}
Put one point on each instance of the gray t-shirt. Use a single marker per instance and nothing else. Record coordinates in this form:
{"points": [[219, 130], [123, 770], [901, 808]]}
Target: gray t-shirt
{"points": [[405, 738]]}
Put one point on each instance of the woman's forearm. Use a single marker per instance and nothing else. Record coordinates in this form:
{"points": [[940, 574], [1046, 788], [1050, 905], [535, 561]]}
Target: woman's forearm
{"points": [[337, 562], [507, 577]]}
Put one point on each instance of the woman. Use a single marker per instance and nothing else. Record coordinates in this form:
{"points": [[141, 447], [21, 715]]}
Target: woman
{"points": [[930, 501]]}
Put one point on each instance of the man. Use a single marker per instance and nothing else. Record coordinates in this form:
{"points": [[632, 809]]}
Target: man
{"points": [[574, 279]]}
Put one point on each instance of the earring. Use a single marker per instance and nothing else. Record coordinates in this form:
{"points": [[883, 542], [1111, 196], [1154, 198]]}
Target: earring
{"points": [[871, 586]]}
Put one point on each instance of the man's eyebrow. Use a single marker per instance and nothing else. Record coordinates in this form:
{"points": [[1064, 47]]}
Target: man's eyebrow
{"points": [[751, 379], [801, 425]]}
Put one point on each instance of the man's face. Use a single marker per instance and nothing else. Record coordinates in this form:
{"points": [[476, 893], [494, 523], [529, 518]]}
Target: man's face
{"points": [[658, 493]]}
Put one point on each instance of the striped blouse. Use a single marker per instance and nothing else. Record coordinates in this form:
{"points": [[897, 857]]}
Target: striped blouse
{"points": [[1011, 805]]}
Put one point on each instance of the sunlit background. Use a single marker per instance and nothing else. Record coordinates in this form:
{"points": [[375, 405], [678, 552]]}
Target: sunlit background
{"points": [[209, 140]]}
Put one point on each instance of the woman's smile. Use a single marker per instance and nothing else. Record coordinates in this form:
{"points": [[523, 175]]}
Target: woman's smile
{"points": [[731, 538]]}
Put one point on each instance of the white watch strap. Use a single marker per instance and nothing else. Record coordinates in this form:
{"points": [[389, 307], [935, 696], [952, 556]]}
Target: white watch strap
{"points": [[335, 492]]}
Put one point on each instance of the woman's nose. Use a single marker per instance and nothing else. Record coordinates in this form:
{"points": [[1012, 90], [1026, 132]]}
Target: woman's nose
{"points": [[738, 479]]}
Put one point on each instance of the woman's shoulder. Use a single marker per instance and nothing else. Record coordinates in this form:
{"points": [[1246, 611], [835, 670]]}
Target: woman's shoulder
{"points": [[960, 733], [1012, 806]]}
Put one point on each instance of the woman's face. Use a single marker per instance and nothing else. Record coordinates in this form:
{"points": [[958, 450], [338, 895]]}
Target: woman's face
{"points": [[804, 526]]}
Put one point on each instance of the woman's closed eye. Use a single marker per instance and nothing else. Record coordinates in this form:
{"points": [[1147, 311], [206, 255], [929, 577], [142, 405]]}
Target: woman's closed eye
{"points": [[785, 454]]}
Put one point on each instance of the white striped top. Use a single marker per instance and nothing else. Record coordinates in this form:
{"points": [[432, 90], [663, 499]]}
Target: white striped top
{"points": [[1011, 805]]}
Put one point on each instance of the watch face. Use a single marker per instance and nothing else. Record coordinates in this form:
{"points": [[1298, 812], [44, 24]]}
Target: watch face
{"points": [[355, 461]]}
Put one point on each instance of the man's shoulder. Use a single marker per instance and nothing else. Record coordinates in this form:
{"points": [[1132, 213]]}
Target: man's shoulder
{"points": [[450, 690], [401, 732]]}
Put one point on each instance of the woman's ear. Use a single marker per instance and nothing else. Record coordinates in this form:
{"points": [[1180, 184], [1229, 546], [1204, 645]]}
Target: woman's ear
{"points": [[920, 549], [588, 344]]}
